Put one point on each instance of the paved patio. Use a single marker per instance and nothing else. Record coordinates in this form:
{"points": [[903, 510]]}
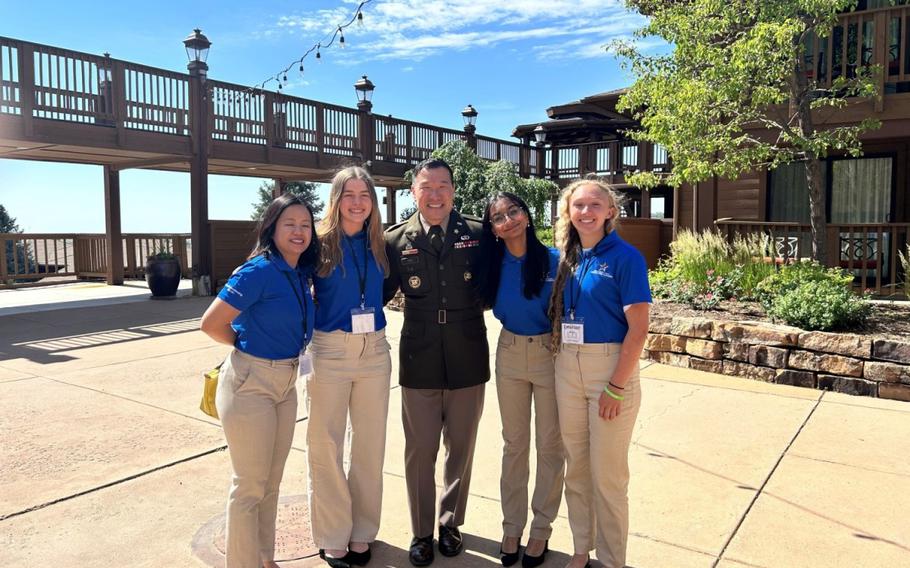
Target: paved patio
{"points": [[105, 459]]}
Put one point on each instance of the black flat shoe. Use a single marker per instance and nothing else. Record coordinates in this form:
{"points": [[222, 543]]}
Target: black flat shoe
{"points": [[508, 558], [421, 552], [359, 558], [528, 561], [450, 541], [335, 562]]}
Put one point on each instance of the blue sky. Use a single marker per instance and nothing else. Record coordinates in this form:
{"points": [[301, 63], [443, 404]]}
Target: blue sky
{"points": [[428, 59]]}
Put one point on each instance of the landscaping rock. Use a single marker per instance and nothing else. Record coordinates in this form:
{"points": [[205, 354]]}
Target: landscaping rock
{"points": [[838, 343], [897, 351], [748, 371], [894, 391], [704, 348], [795, 378], [848, 385], [692, 327], [756, 333], [737, 351], [768, 356], [707, 366], [660, 325], [887, 372], [810, 361], [668, 358], [664, 342]]}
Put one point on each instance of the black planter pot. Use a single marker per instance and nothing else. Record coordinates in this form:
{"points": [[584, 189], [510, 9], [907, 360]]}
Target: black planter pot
{"points": [[162, 276]]}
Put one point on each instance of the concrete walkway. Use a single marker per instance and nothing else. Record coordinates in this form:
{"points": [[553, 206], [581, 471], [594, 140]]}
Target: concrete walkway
{"points": [[105, 460]]}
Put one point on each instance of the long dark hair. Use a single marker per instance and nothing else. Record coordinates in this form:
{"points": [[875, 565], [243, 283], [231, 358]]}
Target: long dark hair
{"points": [[265, 231], [534, 269]]}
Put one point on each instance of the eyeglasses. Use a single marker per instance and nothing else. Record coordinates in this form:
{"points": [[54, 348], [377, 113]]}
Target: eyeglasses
{"points": [[514, 212]]}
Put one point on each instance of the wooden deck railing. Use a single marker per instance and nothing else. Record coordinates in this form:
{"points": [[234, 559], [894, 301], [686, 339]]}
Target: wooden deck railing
{"points": [[868, 250], [30, 257]]}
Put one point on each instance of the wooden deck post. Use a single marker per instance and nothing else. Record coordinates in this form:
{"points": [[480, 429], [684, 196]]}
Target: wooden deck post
{"points": [[112, 227]]}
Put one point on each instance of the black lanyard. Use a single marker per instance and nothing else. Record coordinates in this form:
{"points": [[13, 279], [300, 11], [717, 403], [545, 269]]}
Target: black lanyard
{"points": [[300, 301], [586, 265], [361, 276]]}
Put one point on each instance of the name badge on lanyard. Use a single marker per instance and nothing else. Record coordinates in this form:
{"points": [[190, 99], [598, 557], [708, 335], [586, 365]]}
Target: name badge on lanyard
{"points": [[573, 331], [304, 363], [363, 320]]}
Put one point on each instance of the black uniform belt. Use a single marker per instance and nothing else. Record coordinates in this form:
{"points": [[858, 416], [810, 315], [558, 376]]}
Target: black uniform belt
{"points": [[441, 316]]}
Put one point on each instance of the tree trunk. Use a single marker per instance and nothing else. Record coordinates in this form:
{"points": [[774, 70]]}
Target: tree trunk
{"points": [[799, 105]]}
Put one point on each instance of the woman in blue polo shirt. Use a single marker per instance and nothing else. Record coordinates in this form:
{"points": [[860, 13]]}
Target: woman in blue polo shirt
{"points": [[519, 283], [265, 312], [600, 322], [351, 370]]}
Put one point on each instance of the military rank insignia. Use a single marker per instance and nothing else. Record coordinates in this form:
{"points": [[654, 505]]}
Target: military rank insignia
{"points": [[468, 276], [414, 281]]}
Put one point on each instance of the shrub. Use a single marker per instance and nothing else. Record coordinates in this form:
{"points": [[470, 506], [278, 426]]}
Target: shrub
{"points": [[545, 235], [791, 276], [905, 264], [694, 254], [752, 253], [823, 304]]}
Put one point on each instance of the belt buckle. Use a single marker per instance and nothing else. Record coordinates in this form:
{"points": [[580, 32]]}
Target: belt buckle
{"points": [[441, 316]]}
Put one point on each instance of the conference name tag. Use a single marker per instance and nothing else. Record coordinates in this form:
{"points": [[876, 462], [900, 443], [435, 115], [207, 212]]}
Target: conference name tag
{"points": [[304, 363], [363, 320], [573, 331]]}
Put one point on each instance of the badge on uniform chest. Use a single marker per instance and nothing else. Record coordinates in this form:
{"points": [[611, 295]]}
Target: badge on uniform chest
{"points": [[409, 251], [466, 243], [414, 281]]}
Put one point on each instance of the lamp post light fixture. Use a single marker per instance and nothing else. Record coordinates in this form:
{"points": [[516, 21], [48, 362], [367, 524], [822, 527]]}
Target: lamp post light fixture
{"points": [[469, 113], [364, 90], [540, 135], [197, 51]]}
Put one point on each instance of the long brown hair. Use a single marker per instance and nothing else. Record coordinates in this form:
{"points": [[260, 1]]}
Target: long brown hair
{"points": [[569, 245], [329, 229]]}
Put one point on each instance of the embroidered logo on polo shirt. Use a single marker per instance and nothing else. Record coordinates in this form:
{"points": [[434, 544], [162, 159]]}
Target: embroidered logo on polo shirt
{"points": [[601, 270], [233, 290]]}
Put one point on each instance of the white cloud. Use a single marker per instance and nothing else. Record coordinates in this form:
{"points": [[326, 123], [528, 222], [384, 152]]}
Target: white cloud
{"points": [[411, 30]]}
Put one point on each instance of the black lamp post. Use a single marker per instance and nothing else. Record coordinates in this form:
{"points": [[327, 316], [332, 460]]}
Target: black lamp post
{"points": [[364, 89], [469, 113], [540, 135], [197, 51]]}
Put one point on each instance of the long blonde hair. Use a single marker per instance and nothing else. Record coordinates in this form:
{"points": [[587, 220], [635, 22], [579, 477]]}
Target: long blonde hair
{"points": [[329, 229], [569, 245]]}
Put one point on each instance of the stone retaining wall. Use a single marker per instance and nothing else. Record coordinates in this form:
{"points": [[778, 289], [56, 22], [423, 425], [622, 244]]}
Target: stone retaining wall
{"points": [[842, 362]]}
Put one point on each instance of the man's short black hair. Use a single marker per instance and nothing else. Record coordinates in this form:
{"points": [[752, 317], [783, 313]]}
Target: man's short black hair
{"points": [[432, 164]]}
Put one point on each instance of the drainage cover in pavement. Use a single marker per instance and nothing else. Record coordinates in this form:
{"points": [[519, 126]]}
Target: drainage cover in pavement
{"points": [[292, 534]]}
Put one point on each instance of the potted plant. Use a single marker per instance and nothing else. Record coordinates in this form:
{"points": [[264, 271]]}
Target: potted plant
{"points": [[162, 273]]}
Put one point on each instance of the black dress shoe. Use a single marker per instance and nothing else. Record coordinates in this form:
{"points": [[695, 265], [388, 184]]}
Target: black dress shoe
{"points": [[421, 553], [508, 558], [334, 562], [450, 541], [359, 558], [528, 561]]}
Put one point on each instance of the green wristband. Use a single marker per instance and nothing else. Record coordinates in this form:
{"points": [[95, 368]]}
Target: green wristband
{"points": [[612, 394]]}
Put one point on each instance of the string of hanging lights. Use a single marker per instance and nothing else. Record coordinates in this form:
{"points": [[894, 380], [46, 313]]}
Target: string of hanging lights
{"points": [[281, 78]]}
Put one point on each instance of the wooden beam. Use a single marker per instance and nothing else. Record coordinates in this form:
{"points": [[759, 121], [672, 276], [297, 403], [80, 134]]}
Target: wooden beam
{"points": [[112, 227], [148, 162]]}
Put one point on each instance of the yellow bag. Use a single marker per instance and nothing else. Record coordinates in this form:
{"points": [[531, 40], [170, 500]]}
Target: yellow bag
{"points": [[208, 393]]}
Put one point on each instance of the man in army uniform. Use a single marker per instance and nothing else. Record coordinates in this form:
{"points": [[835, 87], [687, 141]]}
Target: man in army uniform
{"points": [[443, 357]]}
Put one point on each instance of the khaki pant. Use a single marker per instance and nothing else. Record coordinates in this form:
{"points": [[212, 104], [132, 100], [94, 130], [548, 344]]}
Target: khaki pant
{"points": [[427, 413], [597, 450], [350, 379], [524, 369], [257, 403]]}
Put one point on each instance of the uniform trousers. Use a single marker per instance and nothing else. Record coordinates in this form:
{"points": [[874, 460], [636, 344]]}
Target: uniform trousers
{"points": [[524, 370], [257, 404], [350, 379], [427, 414], [597, 450]]}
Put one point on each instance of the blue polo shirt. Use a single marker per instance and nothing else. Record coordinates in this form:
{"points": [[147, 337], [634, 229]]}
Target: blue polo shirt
{"points": [[268, 294], [339, 292], [518, 314], [610, 276]]}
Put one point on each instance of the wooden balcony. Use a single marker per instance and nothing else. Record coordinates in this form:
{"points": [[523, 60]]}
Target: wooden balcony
{"points": [[869, 251], [612, 160]]}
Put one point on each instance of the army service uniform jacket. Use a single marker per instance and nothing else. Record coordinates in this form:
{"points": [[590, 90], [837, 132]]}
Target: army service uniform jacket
{"points": [[444, 338]]}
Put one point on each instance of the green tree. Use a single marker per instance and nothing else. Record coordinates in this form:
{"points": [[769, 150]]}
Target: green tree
{"points": [[734, 94], [306, 189], [17, 255], [476, 179]]}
